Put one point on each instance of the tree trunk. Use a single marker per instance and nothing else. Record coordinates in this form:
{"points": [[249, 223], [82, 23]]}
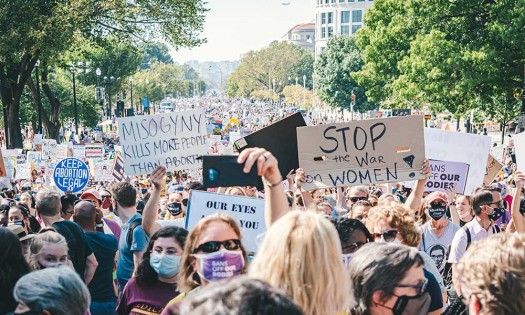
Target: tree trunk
{"points": [[48, 122], [13, 79]]}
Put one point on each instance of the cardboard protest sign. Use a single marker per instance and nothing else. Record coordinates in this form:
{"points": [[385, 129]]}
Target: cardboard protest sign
{"points": [[94, 150], [249, 213], [279, 138], [446, 175], [49, 150], [173, 140], [118, 167], [71, 174], [459, 147], [79, 151], [361, 152], [493, 168]]}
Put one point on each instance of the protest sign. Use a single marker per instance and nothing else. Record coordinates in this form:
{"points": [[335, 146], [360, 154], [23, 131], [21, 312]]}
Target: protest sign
{"points": [[23, 171], [10, 166], [34, 156], [519, 147], [459, 147], [214, 139], [102, 170], [94, 150], [173, 140], [3, 171], [248, 212], [493, 168], [234, 136], [62, 151], [37, 140], [118, 167], [361, 152], [71, 174], [279, 138], [79, 151], [445, 175], [49, 150], [21, 159]]}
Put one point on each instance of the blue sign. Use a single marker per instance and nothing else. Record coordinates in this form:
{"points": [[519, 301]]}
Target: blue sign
{"points": [[71, 174]]}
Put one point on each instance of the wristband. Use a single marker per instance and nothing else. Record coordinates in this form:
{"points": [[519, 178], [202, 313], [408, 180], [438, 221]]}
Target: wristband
{"points": [[268, 184]]}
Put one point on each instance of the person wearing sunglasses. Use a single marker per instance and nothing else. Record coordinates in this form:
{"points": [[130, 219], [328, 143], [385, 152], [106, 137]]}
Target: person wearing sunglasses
{"points": [[155, 282], [355, 194], [388, 279], [353, 234], [395, 224], [107, 206]]}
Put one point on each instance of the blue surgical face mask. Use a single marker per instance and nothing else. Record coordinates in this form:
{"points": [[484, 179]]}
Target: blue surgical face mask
{"points": [[144, 190], [165, 266]]}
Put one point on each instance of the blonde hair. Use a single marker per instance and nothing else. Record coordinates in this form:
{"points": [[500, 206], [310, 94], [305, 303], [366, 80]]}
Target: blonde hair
{"points": [[493, 270], [301, 255], [46, 237], [398, 217], [230, 190], [188, 279]]}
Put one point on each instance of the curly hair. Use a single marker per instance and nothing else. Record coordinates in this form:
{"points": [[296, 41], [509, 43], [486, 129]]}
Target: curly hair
{"points": [[398, 217], [493, 270], [145, 274]]}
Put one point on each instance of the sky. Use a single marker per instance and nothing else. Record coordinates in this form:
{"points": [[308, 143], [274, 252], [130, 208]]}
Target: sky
{"points": [[234, 27]]}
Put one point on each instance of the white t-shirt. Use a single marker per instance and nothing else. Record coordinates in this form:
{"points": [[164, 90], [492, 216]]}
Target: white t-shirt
{"points": [[438, 247], [180, 222], [459, 243]]}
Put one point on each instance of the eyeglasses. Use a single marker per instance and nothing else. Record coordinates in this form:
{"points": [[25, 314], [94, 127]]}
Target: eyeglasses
{"points": [[213, 246], [497, 204], [105, 196], [356, 199], [421, 287], [388, 236], [352, 248]]}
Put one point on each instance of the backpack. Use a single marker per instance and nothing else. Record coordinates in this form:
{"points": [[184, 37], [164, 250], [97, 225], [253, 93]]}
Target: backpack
{"points": [[495, 229], [129, 235]]}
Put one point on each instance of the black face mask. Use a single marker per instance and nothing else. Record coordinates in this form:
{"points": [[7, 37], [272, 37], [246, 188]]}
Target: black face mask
{"points": [[437, 212], [498, 213], [174, 208], [412, 305]]}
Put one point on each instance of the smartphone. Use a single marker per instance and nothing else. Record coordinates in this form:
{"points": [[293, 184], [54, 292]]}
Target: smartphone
{"points": [[224, 171]]}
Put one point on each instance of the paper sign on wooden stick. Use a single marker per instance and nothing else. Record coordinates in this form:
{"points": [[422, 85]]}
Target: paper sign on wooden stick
{"points": [[173, 140], [493, 168], [362, 152]]}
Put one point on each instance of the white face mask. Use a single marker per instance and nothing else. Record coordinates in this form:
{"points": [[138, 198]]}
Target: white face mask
{"points": [[395, 241]]}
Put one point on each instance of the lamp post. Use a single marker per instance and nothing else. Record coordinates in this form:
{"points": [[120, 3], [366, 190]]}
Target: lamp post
{"points": [[352, 103], [220, 70], [75, 114], [38, 100], [131, 91], [109, 82], [304, 89], [296, 79]]}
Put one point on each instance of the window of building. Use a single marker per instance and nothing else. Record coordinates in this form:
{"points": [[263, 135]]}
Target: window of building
{"points": [[330, 18], [330, 31], [323, 18], [341, 1], [326, 1], [307, 37], [345, 17], [355, 28], [360, 0], [323, 30], [345, 30], [333, 1], [357, 16]]}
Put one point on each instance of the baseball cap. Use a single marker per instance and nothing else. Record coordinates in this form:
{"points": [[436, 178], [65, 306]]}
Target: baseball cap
{"points": [[436, 195], [91, 192], [20, 232]]}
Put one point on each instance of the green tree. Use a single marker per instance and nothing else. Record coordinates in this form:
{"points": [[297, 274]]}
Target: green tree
{"points": [[34, 29], [281, 62], [299, 96], [335, 68], [154, 53]]}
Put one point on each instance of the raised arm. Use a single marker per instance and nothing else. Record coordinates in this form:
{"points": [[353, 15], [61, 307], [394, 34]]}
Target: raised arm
{"points": [[414, 199], [299, 179], [276, 203], [451, 196], [519, 220], [149, 215]]}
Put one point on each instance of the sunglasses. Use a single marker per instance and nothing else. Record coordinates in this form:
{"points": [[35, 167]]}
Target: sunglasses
{"points": [[388, 236], [421, 287], [497, 204], [105, 196], [214, 246], [356, 199], [438, 204], [352, 248]]}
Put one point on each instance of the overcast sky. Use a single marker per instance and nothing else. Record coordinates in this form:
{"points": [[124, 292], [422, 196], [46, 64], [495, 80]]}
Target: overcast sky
{"points": [[234, 27]]}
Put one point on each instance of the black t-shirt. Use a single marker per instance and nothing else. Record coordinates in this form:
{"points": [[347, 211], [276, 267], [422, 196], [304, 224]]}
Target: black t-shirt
{"points": [[76, 241], [104, 247]]}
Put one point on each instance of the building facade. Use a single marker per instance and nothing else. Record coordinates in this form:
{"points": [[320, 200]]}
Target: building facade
{"points": [[302, 35], [338, 17]]}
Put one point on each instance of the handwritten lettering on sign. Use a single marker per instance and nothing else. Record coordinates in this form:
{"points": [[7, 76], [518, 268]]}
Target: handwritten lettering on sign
{"points": [[362, 152], [493, 168], [173, 140]]}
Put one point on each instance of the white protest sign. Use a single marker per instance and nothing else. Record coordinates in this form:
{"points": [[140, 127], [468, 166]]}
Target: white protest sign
{"points": [[23, 171], [102, 170], [519, 147], [234, 136], [445, 175], [248, 212], [466, 148], [34, 156], [173, 140], [37, 140], [214, 139], [79, 151], [49, 149], [94, 150], [361, 152], [62, 151]]}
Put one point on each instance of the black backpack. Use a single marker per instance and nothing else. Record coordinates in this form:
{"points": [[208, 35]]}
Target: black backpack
{"points": [[132, 226]]}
